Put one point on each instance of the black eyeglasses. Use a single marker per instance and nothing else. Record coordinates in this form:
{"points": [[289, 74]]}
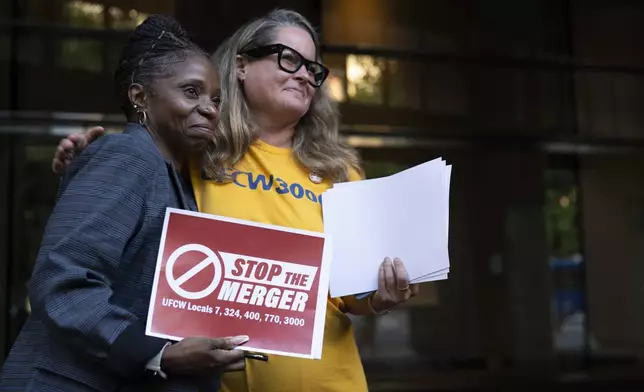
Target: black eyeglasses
{"points": [[290, 60]]}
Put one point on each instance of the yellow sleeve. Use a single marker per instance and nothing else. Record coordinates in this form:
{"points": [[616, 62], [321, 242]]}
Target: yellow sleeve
{"points": [[358, 307], [355, 175]]}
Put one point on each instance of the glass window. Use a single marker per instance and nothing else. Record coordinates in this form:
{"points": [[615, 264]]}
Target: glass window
{"points": [[125, 19], [404, 84], [30, 50], [552, 90], [407, 25], [501, 98], [336, 86], [610, 104], [5, 48], [115, 47], [365, 79], [612, 221], [447, 27], [608, 32], [117, 14], [561, 212], [34, 194], [532, 28], [5, 9], [446, 89], [84, 14], [354, 22], [5, 51], [81, 54], [566, 261], [401, 36], [42, 11], [336, 81], [629, 95]]}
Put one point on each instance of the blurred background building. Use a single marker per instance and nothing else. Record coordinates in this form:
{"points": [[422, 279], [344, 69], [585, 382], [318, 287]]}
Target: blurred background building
{"points": [[537, 104]]}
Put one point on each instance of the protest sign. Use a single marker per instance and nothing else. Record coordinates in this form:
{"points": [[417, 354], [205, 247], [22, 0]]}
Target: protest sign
{"points": [[220, 277]]}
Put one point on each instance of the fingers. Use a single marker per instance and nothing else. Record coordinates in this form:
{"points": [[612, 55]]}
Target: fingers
{"points": [[382, 284], [227, 358], [390, 276], [414, 288], [62, 156], [402, 278], [78, 141], [74, 142], [393, 282], [66, 145], [57, 166], [234, 367], [92, 134], [228, 343]]}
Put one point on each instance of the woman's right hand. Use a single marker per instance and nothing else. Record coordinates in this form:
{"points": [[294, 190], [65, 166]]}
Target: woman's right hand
{"points": [[204, 356], [75, 142]]}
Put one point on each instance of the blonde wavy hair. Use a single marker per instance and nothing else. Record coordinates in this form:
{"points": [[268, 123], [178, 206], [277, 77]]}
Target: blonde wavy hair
{"points": [[316, 143]]}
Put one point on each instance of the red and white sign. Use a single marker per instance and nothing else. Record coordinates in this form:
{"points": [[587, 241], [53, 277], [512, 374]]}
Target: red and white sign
{"points": [[221, 277]]}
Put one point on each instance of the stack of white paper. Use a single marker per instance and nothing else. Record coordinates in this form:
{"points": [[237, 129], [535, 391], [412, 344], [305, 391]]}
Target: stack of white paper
{"points": [[405, 215]]}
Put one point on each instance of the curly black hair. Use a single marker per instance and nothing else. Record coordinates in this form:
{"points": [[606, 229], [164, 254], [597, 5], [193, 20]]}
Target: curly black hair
{"points": [[155, 44]]}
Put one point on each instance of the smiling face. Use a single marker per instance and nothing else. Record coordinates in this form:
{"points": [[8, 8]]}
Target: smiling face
{"points": [[271, 90], [183, 105]]}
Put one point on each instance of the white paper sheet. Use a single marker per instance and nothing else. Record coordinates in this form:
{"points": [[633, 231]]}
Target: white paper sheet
{"points": [[404, 215]]}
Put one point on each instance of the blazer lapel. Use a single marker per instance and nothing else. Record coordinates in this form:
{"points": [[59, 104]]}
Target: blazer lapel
{"points": [[186, 201]]}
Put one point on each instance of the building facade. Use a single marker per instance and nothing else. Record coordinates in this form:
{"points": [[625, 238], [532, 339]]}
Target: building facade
{"points": [[536, 104]]}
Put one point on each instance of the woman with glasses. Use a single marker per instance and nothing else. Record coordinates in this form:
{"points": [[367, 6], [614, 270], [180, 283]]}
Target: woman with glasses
{"points": [[276, 151]]}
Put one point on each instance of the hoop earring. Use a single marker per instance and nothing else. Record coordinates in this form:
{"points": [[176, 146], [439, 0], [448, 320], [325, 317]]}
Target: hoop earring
{"points": [[143, 117]]}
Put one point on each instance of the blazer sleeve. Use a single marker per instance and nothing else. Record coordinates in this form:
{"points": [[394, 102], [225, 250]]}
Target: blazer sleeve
{"points": [[100, 208]]}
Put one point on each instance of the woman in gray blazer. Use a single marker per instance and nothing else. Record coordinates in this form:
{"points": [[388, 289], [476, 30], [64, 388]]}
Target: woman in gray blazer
{"points": [[93, 276]]}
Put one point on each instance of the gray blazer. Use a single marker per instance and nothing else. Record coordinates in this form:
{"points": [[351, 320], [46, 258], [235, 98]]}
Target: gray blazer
{"points": [[91, 285]]}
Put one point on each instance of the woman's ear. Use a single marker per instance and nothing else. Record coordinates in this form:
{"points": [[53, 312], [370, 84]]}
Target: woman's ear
{"points": [[137, 95], [241, 63]]}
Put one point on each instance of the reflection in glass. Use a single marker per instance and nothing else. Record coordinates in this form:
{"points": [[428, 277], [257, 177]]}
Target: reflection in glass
{"points": [[5, 48], [80, 54], [41, 11], [126, 20], [404, 84], [5, 9], [336, 80], [30, 50], [561, 212], [335, 84], [364, 79], [113, 53], [447, 89], [84, 14]]}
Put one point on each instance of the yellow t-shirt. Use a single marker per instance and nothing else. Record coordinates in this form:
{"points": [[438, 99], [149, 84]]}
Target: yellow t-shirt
{"points": [[269, 186]]}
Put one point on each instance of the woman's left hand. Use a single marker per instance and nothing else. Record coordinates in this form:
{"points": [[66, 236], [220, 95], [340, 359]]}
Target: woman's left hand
{"points": [[393, 286]]}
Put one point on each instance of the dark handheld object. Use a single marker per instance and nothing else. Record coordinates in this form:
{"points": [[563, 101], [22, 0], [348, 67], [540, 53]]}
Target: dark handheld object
{"points": [[259, 357]]}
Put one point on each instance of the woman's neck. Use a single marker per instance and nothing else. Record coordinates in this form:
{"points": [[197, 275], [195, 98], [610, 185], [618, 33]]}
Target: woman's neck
{"points": [[175, 158], [273, 133], [282, 139]]}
